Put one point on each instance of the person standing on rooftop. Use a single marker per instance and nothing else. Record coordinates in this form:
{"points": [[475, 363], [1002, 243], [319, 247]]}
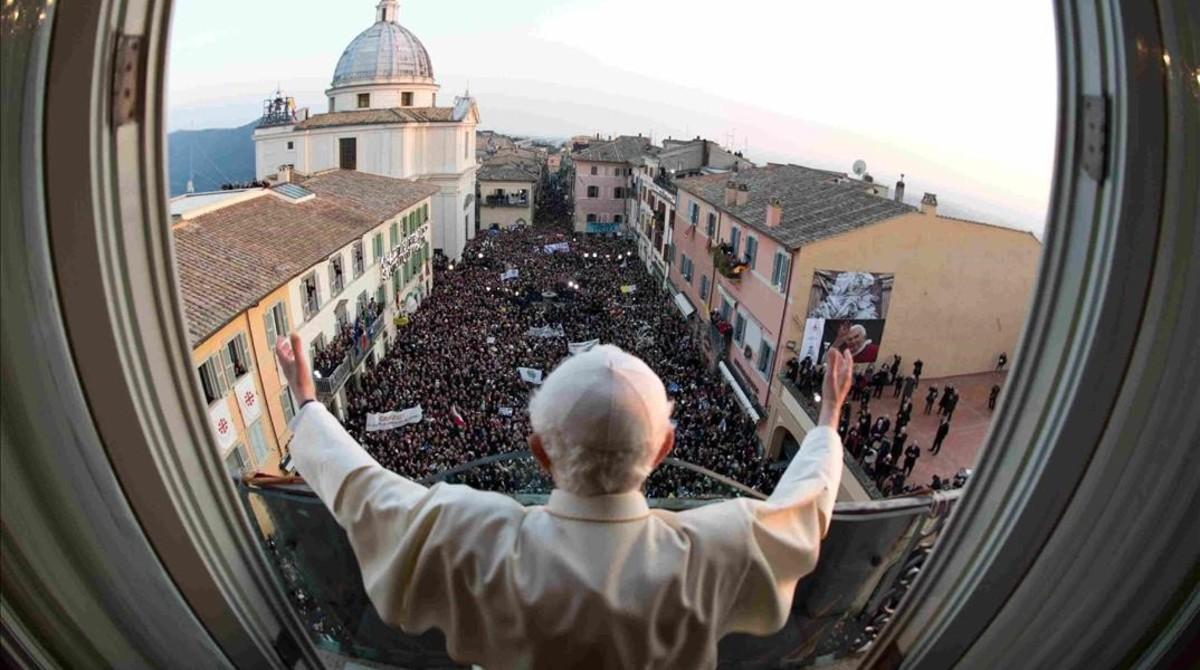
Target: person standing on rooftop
{"points": [[594, 578]]}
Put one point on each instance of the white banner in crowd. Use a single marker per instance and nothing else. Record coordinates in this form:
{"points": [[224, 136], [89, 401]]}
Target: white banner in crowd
{"points": [[222, 424], [248, 399], [391, 420], [557, 248], [506, 411], [510, 274], [580, 347], [531, 375], [546, 331], [810, 345]]}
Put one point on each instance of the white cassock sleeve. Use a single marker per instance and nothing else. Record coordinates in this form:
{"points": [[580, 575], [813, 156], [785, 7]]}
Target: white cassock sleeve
{"points": [[403, 533], [783, 534]]}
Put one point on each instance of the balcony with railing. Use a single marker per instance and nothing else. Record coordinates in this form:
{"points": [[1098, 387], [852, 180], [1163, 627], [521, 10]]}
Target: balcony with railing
{"points": [[356, 350], [727, 264], [507, 200], [803, 392], [665, 183], [870, 557]]}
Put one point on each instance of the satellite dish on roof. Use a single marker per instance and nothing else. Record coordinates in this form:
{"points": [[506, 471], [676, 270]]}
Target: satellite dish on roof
{"points": [[860, 167]]}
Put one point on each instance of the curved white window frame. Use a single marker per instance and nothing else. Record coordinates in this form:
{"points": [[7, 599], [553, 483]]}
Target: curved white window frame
{"points": [[146, 529]]}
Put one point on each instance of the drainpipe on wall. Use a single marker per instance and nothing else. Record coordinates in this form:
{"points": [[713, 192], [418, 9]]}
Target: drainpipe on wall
{"points": [[787, 294]]}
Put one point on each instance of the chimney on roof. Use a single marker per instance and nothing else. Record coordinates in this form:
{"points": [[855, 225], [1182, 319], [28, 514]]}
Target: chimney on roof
{"points": [[730, 193], [929, 204], [284, 175], [743, 194], [900, 189], [774, 213]]}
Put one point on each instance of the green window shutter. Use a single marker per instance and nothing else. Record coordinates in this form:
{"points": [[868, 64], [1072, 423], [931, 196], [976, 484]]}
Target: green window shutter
{"points": [[269, 323]]}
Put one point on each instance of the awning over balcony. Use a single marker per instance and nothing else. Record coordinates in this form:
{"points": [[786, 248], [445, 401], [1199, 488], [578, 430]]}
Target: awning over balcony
{"points": [[684, 305], [742, 399]]}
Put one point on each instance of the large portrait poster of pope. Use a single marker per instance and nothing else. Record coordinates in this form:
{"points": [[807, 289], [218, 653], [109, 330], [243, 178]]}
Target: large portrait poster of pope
{"points": [[853, 306]]}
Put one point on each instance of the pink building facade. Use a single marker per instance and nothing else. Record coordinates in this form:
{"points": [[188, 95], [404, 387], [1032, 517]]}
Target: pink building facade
{"points": [[745, 311], [600, 190]]}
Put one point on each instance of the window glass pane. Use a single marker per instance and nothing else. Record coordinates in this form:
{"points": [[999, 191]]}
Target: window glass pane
{"points": [[258, 443], [289, 407]]}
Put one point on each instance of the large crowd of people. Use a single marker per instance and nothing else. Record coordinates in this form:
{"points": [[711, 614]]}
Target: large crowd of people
{"points": [[516, 300], [457, 357], [880, 443]]}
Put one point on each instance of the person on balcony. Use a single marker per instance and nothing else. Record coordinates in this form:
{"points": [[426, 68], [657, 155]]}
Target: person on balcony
{"points": [[595, 578]]}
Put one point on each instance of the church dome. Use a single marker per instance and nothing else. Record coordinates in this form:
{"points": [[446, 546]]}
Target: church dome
{"points": [[385, 53]]}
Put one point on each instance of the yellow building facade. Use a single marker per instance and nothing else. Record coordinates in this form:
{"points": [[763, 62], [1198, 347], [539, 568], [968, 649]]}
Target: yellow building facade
{"points": [[238, 379], [961, 295], [962, 289]]}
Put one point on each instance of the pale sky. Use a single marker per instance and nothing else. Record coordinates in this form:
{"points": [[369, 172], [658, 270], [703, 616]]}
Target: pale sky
{"points": [[958, 94]]}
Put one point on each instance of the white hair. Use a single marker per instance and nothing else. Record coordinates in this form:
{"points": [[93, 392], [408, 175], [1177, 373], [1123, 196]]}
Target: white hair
{"points": [[859, 328], [592, 472]]}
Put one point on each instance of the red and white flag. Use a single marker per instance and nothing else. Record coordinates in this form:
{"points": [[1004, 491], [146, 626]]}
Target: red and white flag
{"points": [[456, 417]]}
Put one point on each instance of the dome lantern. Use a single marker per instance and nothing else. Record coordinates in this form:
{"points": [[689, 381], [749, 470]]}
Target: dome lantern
{"points": [[388, 11], [385, 53]]}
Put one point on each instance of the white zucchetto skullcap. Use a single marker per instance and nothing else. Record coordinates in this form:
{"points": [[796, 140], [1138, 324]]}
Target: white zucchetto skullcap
{"points": [[605, 398]]}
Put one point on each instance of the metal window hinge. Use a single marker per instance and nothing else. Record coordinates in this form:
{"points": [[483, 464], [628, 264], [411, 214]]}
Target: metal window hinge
{"points": [[1094, 136], [288, 650], [127, 80]]}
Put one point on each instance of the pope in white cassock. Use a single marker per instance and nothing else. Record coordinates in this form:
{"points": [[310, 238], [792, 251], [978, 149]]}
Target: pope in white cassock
{"points": [[594, 578]]}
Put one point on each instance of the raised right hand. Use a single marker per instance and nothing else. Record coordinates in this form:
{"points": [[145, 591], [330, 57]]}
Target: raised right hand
{"points": [[296, 370], [839, 376]]}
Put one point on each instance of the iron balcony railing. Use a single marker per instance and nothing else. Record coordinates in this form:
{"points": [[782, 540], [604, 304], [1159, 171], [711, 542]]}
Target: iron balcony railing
{"points": [[812, 409], [727, 264], [870, 557], [328, 386]]}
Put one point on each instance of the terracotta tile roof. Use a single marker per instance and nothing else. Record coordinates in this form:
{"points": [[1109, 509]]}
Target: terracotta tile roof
{"points": [[621, 150], [815, 204], [359, 117], [230, 258], [510, 167]]}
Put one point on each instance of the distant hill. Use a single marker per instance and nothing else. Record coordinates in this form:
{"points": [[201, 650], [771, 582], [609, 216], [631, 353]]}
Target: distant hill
{"points": [[215, 156]]}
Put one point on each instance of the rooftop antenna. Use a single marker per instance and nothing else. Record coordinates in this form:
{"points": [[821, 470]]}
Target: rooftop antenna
{"points": [[191, 182], [860, 168]]}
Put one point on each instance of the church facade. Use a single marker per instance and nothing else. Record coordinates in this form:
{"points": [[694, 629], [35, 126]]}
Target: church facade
{"points": [[383, 118]]}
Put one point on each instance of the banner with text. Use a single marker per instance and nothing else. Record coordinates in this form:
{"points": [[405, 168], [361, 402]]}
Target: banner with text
{"points": [[557, 248], [546, 331], [392, 420]]}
